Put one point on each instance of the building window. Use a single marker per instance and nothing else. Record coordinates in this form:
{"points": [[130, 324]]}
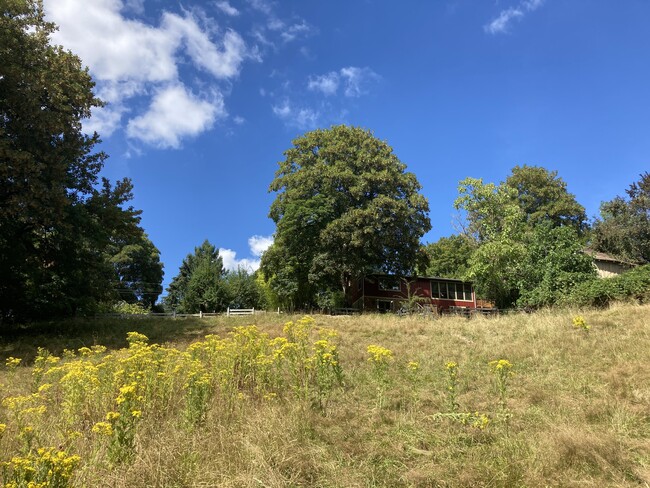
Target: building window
{"points": [[389, 284], [384, 306], [451, 290]]}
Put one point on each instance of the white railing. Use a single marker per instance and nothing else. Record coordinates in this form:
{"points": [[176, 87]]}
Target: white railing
{"points": [[240, 311]]}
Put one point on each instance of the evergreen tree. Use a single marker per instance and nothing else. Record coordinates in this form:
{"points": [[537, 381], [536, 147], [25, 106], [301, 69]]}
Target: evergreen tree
{"points": [[199, 285]]}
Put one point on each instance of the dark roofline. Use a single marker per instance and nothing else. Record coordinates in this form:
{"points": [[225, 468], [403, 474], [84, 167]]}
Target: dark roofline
{"points": [[601, 256], [437, 278]]}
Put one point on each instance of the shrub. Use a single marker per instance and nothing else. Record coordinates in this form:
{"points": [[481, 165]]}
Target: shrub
{"points": [[632, 285]]}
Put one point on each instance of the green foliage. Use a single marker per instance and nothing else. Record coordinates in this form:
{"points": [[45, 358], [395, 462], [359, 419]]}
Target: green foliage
{"points": [[268, 297], [495, 221], [338, 190], [243, 290], [632, 285], [199, 285], [528, 238], [624, 227], [554, 264], [130, 308], [448, 257], [491, 210], [330, 299], [55, 223], [139, 271], [543, 197]]}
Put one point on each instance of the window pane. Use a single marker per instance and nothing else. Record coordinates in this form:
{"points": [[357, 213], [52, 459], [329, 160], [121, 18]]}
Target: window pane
{"points": [[468, 291], [443, 290], [435, 290], [389, 284]]}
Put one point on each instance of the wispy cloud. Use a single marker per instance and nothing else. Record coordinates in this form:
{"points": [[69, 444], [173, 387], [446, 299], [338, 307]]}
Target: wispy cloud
{"points": [[358, 80], [257, 246], [327, 84], [227, 9], [276, 30], [501, 23], [302, 118], [142, 63], [354, 80]]}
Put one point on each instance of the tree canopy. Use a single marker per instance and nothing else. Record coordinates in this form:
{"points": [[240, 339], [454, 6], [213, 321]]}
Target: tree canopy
{"points": [[623, 229], [528, 237], [543, 196], [345, 206], [56, 218]]}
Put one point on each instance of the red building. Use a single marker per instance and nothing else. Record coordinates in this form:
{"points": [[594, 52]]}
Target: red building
{"points": [[384, 293]]}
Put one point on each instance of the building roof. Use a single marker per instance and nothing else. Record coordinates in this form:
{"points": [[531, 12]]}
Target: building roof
{"points": [[437, 278], [601, 256]]}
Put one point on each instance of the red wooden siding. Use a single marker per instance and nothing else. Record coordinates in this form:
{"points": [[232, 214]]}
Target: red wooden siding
{"points": [[367, 293]]}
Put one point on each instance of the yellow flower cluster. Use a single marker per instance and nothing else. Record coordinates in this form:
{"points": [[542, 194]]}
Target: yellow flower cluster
{"points": [[47, 467], [89, 391], [379, 354], [12, 362], [500, 365], [579, 322], [103, 428]]}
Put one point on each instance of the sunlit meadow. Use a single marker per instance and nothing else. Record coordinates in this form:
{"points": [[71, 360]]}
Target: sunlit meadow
{"points": [[548, 399]]}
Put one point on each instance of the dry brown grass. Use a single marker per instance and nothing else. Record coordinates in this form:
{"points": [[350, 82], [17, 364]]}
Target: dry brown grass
{"points": [[579, 406]]}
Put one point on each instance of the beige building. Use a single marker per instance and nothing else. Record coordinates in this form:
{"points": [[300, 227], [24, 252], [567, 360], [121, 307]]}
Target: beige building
{"points": [[608, 266]]}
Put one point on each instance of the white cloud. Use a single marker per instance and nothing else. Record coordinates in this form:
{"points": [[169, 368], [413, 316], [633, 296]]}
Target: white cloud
{"points": [[129, 58], [221, 63], [328, 84], [175, 113], [257, 245], [502, 22], [231, 263], [227, 9], [104, 120]]}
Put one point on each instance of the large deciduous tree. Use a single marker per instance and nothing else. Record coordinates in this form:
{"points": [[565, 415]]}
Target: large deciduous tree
{"points": [[543, 197], [55, 224], [345, 206], [624, 227]]}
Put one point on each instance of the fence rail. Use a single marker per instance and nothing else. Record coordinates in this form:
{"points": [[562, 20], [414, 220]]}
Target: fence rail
{"points": [[230, 312], [240, 311]]}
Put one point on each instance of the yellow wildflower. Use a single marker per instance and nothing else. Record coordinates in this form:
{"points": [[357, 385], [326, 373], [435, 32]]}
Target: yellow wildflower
{"points": [[103, 428]]}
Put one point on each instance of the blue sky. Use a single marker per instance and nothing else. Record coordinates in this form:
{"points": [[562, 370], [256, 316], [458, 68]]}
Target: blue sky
{"points": [[204, 97]]}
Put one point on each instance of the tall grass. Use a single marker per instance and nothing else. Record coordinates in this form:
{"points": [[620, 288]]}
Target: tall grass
{"points": [[298, 405]]}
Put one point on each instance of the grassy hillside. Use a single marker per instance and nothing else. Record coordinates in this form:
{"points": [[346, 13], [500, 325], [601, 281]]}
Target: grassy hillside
{"points": [[279, 406]]}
